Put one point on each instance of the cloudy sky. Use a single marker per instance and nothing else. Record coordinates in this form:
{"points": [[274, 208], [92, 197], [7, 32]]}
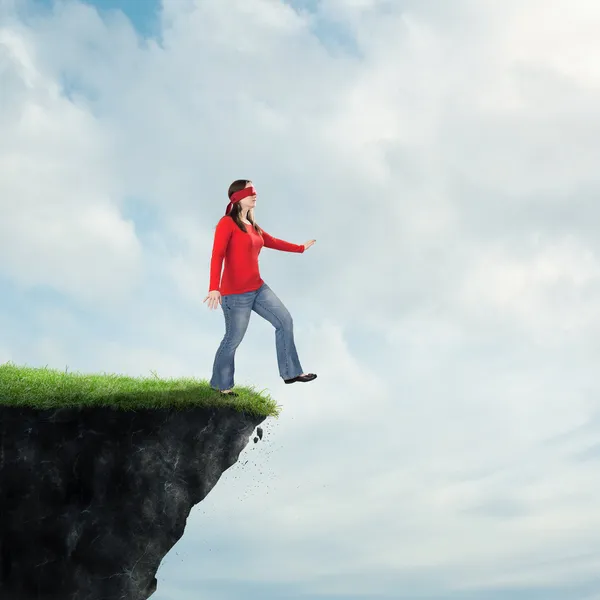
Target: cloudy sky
{"points": [[444, 155]]}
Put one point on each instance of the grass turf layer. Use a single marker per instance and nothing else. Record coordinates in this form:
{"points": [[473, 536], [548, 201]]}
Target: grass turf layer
{"points": [[45, 388]]}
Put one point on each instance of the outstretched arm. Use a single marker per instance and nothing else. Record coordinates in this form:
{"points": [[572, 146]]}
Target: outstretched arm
{"points": [[276, 244]]}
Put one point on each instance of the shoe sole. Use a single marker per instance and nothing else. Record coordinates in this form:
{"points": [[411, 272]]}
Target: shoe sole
{"points": [[296, 380]]}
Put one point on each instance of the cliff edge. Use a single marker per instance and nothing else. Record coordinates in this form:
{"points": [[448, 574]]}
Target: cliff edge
{"points": [[93, 497]]}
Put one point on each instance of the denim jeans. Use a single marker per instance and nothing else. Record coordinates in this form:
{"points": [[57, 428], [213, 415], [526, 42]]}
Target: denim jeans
{"points": [[237, 309]]}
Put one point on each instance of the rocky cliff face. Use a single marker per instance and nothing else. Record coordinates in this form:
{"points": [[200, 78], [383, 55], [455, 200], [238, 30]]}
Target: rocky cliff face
{"points": [[91, 499]]}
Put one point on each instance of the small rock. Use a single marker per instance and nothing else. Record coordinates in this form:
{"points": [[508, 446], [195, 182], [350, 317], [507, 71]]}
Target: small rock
{"points": [[259, 431]]}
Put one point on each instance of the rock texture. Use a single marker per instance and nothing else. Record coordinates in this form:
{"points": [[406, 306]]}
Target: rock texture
{"points": [[91, 499]]}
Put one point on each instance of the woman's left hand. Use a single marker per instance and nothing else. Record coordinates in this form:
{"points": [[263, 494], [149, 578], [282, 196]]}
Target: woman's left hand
{"points": [[309, 244]]}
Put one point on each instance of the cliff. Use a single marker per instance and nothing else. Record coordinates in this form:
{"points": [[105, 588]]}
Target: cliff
{"points": [[93, 497]]}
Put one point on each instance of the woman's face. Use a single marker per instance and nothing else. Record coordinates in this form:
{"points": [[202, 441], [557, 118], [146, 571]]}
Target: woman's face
{"points": [[249, 201]]}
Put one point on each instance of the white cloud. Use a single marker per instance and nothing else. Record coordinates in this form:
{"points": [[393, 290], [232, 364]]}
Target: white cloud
{"points": [[548, 293], [61, 226]]}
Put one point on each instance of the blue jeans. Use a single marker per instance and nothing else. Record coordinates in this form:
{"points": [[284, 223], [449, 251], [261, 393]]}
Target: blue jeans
{"points": [[237, 309]]}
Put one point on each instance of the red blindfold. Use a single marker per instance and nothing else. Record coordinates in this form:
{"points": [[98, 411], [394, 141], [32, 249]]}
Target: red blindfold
{"points": [[237, 196]]}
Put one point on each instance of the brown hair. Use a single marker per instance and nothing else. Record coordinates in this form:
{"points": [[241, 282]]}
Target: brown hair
{"points": [[236, 186]]}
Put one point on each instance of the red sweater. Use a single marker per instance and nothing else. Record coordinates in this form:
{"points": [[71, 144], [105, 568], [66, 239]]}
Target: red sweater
{"points": [[240, 251]]}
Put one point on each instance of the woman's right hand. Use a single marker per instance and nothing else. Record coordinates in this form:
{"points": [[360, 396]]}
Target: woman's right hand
{"points": [[214, 299]]}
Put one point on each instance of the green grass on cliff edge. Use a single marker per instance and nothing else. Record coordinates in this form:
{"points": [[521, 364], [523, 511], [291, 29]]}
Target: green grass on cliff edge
{"points": [[45, 388]]}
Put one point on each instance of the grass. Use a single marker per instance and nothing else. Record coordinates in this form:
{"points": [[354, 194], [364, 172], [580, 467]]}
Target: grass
{"points": [[45, 388]]}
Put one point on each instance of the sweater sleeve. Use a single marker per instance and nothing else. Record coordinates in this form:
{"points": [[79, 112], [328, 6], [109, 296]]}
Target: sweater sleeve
{"points": [[271, 242], [222, 235]]}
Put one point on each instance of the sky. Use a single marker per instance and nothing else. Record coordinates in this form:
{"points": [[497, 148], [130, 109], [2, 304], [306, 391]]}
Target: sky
{"points": [[444, 155]]}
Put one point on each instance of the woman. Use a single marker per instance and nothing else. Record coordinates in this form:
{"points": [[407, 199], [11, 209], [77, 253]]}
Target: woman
{"points": [[239, 241]]}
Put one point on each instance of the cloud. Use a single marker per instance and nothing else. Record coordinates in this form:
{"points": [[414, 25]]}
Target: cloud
{"points": [[58, 188]]}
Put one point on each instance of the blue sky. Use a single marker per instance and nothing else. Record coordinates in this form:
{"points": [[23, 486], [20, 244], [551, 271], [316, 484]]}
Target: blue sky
{"points": [[143, 14], [444, 156]]}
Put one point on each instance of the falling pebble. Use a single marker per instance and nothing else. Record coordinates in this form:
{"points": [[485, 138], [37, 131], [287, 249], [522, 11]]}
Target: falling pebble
{"points": [[260, 432], [255, 440]]}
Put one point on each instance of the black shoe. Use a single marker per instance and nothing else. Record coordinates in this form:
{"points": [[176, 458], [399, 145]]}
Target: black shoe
{"points": [[307, 377]]}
